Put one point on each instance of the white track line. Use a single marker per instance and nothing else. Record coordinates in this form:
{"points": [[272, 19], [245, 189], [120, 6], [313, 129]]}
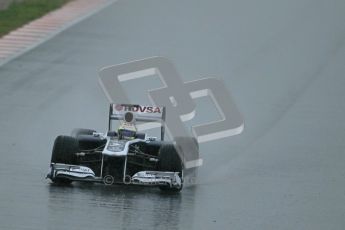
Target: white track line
{"points": [[42, 29]]}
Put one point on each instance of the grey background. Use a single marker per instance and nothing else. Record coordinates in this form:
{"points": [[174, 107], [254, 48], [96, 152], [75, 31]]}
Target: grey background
{"points": [[283, 62], [5, 3]]}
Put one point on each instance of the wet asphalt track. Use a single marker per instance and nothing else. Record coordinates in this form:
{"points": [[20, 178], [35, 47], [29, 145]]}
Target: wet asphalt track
{"points": [[284, 64]]}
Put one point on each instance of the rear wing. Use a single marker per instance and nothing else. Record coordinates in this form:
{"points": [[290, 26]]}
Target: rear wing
{"points": [[142, 113]]}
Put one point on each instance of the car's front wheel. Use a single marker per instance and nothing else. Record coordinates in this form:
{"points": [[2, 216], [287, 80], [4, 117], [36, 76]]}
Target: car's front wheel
{"points": [[64, 152], [169, 160]]}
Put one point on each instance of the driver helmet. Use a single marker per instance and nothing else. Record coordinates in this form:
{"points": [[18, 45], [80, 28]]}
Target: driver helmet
{"points": [[127, 129], [126, 133]]}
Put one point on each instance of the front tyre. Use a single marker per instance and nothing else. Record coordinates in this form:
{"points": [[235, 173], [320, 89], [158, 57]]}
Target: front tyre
{"points": [[64, 152], [188, 147], [170, 161]]}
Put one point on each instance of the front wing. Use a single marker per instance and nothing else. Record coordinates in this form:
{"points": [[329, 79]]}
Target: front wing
{"points": [[82, 173]]}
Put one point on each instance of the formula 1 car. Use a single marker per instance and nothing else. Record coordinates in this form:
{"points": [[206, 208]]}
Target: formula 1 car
{"points": [[125, 156]]}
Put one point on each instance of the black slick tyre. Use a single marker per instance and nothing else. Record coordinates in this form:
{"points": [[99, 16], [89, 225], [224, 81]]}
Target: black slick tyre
{"points": [[170, 161], [64, 152], [78, 131]]}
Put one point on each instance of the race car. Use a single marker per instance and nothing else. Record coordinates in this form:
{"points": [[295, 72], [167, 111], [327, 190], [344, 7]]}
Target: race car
{"points": [[122, 156]]}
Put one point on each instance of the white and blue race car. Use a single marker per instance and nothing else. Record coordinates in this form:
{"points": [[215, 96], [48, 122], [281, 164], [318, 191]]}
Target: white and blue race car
{"points": [[124, 156]]}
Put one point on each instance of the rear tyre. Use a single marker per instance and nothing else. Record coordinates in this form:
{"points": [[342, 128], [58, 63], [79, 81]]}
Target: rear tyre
{"points": [[77, 132], [86, 139], [169, 160], [64, 151], [87, 142]]}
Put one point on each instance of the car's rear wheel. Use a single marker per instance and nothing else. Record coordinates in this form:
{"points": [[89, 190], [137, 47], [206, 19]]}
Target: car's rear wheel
{"points": [[86, 139], [170, 161], [64, 151], [78, 131]]}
